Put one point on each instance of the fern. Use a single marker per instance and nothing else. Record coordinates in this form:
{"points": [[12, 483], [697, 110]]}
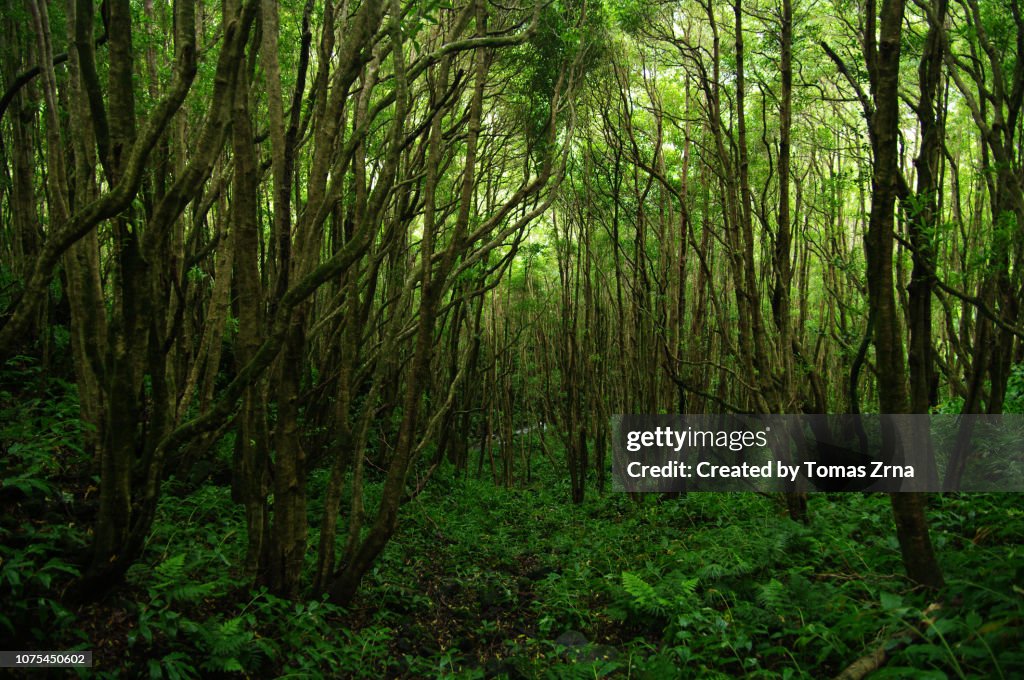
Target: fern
{"points": [[645, 597], [139, 574], [189, 592], [687, 587], [772, 595], [172, 569], [675, 593], [172, 583], [229, 638], [173, 666], [730, 566]]}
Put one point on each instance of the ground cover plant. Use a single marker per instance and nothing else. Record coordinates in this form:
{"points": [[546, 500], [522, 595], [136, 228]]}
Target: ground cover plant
{"points": [[486, 581]]}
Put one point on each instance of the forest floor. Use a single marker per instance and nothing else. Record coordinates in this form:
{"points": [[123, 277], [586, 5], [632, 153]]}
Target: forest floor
{"points": [[482, 581]]}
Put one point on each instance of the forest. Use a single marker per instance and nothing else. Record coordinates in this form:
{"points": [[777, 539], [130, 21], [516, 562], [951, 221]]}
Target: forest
{"points": [[316, 317]]}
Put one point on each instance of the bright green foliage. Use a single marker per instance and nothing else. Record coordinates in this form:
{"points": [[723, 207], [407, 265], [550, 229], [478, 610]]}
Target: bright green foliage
{"points": [[647, 599], [483, 582]]}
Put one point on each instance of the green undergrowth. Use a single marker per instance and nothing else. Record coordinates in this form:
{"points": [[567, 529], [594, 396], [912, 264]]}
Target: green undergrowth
{"points": [[706, 585], [41, 536], [487, 582], [482, 581]]}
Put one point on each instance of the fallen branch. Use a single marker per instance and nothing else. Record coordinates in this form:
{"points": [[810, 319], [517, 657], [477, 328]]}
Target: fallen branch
{"points": [[875, 659]]}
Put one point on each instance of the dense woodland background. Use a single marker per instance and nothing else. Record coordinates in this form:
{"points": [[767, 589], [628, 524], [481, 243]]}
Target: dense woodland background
{"points": [[315, 315]]}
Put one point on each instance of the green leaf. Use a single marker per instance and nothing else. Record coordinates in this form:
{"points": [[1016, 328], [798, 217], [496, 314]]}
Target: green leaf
{"points": [[890, 601]]}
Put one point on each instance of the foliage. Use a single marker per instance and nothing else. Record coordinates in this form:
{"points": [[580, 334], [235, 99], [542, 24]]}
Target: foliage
{"points": [[483, 580], [352, 248], [40, 451]]}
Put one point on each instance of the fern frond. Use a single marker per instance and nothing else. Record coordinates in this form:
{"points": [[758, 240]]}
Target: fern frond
{"points": [[687, 587], [188, 592], [772, 595], [645, 597], [229, 638], [172, 569]]}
